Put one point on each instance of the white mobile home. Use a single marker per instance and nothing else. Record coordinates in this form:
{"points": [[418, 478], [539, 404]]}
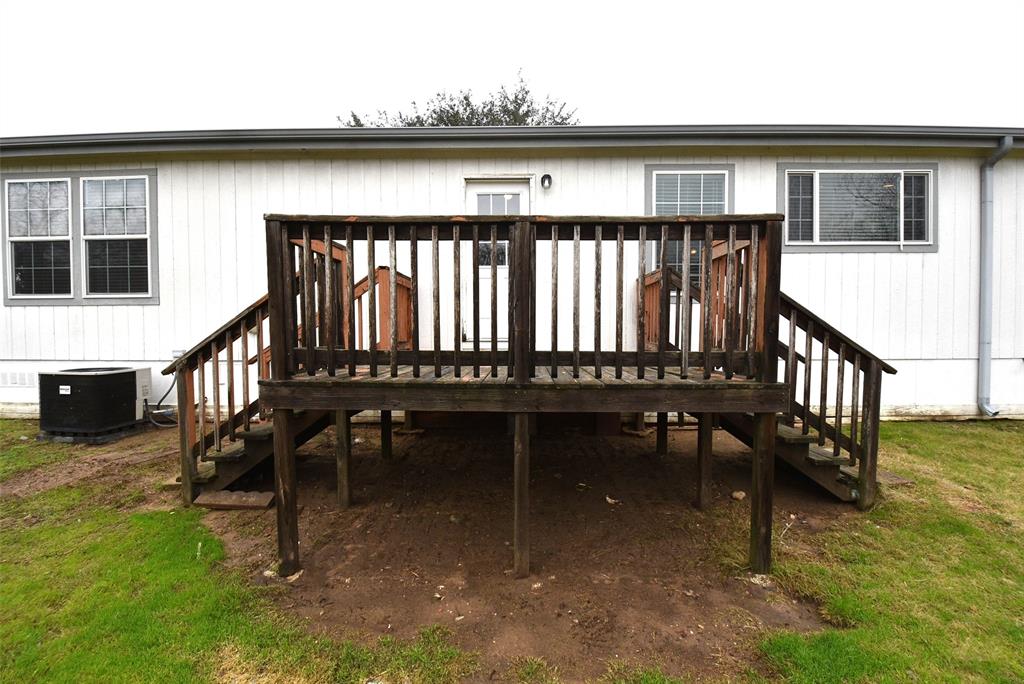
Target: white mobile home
{"points": [[127, 249]]}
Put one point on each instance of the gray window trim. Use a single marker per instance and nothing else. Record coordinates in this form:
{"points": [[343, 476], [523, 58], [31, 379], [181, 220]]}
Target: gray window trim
{"points": [[78, 297], [649, 169], [932, 167]]}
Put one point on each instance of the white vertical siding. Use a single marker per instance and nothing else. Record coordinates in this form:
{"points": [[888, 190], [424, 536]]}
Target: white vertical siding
{"points": [[910, 308]]}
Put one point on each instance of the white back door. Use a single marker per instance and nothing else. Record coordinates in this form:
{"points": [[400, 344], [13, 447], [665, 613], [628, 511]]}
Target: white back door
{"points": [[491, 198]]}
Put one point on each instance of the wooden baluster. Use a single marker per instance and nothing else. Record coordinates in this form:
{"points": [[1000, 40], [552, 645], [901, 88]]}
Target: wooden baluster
{"points": [[476, 301], [619, 277], [201, 367], [414, 299], [371, 291], [687, 307], [824, 390], [243, 335], [554, 302], [435, 265], [308, 303], [330, 301], [291, 315], [705, 290], [576, 301], [320, 261], [229, 348], [513, 264], [791, 367], [350, 317], [393, 299], [855, 400], [494, 299], [457, 276], [301, 332], [532, 361], [260, 353], [663, 303], [597, 302], [755, 257], [641, 336], [215, 378], [840, 372], [806, 413], [730, 304]]}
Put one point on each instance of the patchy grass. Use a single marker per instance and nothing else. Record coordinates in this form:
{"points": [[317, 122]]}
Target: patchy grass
{"points": [[91, 593], [930, 584], [19, 450]]}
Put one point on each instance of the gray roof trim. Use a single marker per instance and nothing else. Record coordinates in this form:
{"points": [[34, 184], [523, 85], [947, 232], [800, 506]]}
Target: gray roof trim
{"points": [[510, 137]]}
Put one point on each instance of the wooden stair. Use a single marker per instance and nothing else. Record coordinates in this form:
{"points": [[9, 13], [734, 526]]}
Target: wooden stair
{"points": [[802, 453], [254, 446]]}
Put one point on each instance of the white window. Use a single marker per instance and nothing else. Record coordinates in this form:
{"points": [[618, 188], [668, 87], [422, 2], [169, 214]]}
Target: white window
{"points": [[858, 207], [39, 235], [689, 193], [115, 235]]}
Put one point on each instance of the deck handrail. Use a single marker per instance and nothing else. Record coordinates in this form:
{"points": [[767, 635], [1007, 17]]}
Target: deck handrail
{"points": [[751, 305]]}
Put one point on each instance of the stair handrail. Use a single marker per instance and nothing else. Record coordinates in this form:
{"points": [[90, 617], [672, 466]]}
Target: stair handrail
{"points": [[190, 378]]}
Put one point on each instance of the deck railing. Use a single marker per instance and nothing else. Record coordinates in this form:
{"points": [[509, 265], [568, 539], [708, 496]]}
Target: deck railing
{"points": [[736, 318], [844, 407]]}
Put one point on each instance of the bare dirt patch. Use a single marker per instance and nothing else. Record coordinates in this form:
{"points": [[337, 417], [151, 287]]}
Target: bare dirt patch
{"points": [[139, 461], [648, 579]]}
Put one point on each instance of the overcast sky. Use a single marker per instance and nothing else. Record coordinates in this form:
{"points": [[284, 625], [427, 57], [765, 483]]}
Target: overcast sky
{"points": [[97, 66]]}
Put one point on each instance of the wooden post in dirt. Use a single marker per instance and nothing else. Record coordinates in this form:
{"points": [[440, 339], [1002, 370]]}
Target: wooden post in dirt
{"points": [[186, 432], [385, 434], [343, 456], [867, 488], [761, 490], [661, 443], [705, 432], [285, 493], [521, 521]]}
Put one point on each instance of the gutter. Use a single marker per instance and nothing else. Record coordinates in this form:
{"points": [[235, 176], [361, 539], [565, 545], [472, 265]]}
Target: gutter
{"points": [[985, 278]]}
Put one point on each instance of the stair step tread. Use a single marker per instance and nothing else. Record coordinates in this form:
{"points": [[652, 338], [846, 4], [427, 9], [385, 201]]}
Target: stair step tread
{"points": [[821, 456], [230, 455], [258, 432], [794, 436], [849, 472], [228, 500]]}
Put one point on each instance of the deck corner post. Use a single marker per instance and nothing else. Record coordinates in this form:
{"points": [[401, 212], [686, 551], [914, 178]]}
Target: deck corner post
{"points": [[521, 288], [385, 434], [761, 494], [705, 433], [285, 493], [521, 519], [343, 456]]}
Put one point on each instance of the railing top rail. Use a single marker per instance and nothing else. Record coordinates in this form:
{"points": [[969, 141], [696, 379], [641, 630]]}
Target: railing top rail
{"points": [[537, 219], [230, 326], [788, 304]]}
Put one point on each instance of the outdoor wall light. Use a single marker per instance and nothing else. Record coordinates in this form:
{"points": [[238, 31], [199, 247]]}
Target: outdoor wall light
{"points": [[545, 181]]}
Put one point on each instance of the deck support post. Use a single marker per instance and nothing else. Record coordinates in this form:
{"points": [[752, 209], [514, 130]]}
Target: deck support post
{"points": [[186, 433], [343, 456], [385, 434], [867, 487], [762, 485], [285, 494], [661, 443], [639, 424], [521, 518], [705, 432]]}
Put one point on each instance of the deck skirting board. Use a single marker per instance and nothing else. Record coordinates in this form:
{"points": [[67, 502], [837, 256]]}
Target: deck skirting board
{"points": [[723, 398]]}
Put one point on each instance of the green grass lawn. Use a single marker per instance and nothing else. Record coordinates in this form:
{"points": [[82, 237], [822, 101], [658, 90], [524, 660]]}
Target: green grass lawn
{"points": [[927, 587], [930, 584]]}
